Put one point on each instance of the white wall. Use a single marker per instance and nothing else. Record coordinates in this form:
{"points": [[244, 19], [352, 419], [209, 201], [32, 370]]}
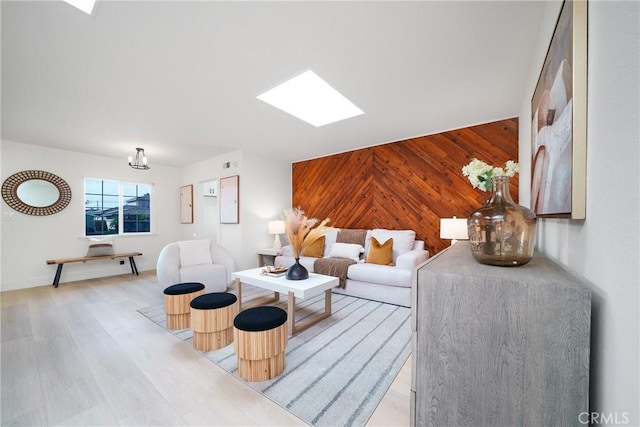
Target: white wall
{"points": [[206, 216], [267, 184], [28, 241], [604, 248], [265, 191]]}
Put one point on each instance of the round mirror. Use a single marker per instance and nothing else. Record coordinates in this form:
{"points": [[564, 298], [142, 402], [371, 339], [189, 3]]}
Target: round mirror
{"points": [[36, 192]]}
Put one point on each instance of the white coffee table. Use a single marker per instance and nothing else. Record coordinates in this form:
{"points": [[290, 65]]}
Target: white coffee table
{"points": [[314, 285]]}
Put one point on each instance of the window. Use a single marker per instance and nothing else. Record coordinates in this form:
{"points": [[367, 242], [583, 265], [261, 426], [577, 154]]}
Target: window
{"points": [[112, 207]]}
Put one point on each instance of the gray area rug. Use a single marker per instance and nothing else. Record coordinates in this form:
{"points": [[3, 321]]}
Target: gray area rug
{"points": [[338, 370]]}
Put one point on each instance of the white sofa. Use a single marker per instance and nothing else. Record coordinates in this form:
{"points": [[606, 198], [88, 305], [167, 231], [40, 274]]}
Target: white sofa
{"points": [[199, 261], [390, 284]]}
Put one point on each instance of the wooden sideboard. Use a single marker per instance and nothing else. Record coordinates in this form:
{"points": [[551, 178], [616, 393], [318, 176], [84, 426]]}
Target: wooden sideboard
{"points": [[499, 346]]}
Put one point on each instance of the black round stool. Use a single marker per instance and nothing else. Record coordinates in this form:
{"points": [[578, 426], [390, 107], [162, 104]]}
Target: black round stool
{"points": [[212, 320], [260, 339], [176, 303]]}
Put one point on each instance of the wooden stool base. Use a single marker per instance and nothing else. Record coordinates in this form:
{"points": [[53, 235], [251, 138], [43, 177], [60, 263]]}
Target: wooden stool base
{"points": [[213, 328], [178, 310], [260, 354], [178, 321], [206, 341], [261, 370]]}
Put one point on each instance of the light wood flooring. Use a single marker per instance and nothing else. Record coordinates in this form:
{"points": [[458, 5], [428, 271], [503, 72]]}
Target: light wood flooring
{"points": [[82, 355]]}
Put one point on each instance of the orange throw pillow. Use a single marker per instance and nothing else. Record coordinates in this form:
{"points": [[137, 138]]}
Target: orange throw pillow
{"points": [[380, 253], [315, 249]]}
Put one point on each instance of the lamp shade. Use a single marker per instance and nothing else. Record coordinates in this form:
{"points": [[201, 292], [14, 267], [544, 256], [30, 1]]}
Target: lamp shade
{"points": [[276, 227], [454, 228]]}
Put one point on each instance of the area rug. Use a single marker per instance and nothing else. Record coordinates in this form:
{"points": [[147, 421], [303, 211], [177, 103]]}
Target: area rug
{"points": [[338, 370]]}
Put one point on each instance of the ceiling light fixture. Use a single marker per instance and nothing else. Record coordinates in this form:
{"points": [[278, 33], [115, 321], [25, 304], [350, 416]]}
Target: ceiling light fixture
{"points": [[311, 99], [140, 162], [84, 5]]}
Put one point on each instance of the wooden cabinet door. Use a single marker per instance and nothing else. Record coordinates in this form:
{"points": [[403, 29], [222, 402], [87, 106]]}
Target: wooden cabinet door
{"points": [[186, 204], [229, 195]]}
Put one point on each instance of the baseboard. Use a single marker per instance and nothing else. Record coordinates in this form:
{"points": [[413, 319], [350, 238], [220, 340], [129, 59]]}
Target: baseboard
{"points": [[68, 276], [33, 283]]}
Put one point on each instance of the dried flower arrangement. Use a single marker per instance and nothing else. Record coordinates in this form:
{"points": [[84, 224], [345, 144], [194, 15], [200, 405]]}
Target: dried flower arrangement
{"points": [[302, 231]]}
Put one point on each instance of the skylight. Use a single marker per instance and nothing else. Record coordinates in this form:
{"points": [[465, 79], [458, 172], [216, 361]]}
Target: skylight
{"points": [[311, 99], [84, 5]]}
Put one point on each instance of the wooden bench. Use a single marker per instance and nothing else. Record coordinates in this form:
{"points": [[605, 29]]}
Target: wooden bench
{"points": [[63, 261]]}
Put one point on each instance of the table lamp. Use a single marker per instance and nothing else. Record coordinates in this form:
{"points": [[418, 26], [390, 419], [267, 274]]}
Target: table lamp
{"points": [[454, 229], [277, 228]]}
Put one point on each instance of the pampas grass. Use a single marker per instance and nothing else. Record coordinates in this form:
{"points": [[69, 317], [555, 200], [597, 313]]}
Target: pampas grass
{"points": [[302, 231]]}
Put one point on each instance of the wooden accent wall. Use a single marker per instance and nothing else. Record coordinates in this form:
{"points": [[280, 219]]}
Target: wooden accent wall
{"points": [[409, 184]]}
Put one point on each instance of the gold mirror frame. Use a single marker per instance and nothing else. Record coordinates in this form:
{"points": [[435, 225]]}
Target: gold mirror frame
{"points": [[10, 192]]}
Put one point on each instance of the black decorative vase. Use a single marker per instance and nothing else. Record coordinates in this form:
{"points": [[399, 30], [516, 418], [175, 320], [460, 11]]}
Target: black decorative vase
{"points": [[297, 271], [502, 232]]}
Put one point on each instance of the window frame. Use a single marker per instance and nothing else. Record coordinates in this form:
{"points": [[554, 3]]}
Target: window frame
{"points": [[122, 201]]}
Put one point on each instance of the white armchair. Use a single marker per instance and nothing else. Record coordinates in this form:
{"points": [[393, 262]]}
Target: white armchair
{"points": [[200, 261]]}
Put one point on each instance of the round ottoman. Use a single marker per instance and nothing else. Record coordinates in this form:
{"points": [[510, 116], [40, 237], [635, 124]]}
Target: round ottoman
{"points": [[176, 303], [260, 339], [212, 320]]}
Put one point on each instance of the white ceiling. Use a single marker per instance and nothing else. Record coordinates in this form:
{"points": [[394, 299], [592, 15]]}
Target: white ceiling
{"points": [[180, 79]]}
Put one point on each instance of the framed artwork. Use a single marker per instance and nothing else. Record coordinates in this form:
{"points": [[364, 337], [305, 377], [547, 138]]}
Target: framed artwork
{"points": [[559, 120], [229, 203], [186, 204]]}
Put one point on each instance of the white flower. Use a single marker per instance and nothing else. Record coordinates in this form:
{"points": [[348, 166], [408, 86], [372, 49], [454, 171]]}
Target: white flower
{"points": [[480, 174], [512, 168]]}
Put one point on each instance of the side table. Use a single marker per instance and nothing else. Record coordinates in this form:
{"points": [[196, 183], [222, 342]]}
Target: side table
{"points": [[498, 346], [267, 252]]}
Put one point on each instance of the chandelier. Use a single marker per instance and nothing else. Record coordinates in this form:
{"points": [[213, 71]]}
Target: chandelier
{"points": [[140, 161]]}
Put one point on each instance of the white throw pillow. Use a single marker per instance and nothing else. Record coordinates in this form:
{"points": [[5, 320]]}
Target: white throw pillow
{"points": [[100, 247], [195, 252], [345, 250], [402, 240], [329, 239]]}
